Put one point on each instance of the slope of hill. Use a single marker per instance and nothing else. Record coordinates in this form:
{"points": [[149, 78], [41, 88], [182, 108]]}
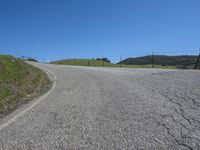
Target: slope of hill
{"points": [[19, 82], [83, 62], [100, 63], [184, 61]]}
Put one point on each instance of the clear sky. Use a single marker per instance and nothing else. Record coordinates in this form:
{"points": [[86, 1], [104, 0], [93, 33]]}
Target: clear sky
{"points": [[98, 28]]}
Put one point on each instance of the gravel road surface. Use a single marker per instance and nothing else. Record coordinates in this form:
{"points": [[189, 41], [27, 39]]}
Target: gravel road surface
{"points": [[109, 108]]}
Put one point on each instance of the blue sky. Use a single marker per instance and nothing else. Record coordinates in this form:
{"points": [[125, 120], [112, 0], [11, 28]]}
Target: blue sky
{"points": [[58, 29]]}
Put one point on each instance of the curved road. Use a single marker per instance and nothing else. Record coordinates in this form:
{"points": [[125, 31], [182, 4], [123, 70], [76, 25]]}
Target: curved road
{"points": [[109, 108]]}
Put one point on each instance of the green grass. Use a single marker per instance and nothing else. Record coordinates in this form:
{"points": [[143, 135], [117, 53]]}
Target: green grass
{"points": [[82, 62], [17, 81], [91, 62]]}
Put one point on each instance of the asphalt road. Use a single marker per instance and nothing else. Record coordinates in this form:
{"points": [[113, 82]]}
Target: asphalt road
{"points": [[109, 108]]}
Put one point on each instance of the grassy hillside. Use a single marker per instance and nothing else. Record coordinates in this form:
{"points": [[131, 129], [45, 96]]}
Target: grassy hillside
{"points": [[82, 62], [92, 62], [19, 82], [176, 61]]}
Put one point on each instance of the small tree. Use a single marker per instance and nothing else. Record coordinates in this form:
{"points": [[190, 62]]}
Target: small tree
{"points": [[103, 59]]}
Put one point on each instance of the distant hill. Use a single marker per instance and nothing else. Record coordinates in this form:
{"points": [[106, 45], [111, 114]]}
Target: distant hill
{"points": [[183, 61]]}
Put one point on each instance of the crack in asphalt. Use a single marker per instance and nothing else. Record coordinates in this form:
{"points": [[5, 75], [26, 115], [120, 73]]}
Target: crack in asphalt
{"points": [[176, 98]]}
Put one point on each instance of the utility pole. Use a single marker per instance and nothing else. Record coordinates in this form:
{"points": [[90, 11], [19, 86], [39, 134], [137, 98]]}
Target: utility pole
{"points": [[153, 61], [74, 61], [197, 61], [120, 63]]}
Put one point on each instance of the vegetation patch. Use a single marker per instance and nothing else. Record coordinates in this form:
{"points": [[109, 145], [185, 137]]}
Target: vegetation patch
{"points": [[182, 62], [85, 62], [19, 83]]}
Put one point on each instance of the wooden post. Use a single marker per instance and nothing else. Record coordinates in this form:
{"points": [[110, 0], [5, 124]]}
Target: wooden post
{"points": [[197, 62], [74, 61], [153, 61], [120, 61]]}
